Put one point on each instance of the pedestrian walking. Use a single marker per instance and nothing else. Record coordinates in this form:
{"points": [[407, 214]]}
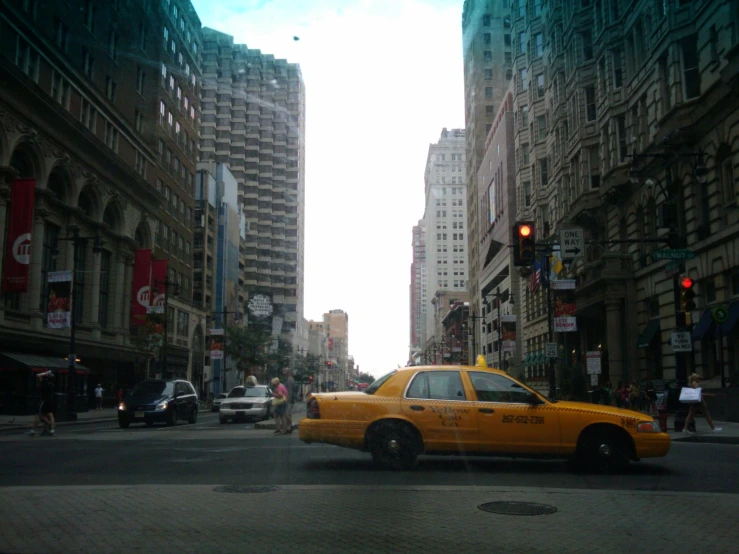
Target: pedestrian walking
{"points": [[695, 382], [99, 397], [279, 402], [651, 393], [291, 394], [45, 411]]}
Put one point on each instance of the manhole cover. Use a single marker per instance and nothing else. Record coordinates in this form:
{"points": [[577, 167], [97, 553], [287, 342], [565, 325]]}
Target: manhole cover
{"points": [[517, 508], [245, 489]]}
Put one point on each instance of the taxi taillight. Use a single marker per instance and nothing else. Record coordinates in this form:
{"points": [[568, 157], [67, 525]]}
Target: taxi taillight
{"points": [[314, 411]]}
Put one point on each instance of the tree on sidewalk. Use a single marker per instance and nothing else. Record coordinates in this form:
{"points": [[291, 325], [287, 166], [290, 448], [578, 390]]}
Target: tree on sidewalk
{"points": [[248, 346]]}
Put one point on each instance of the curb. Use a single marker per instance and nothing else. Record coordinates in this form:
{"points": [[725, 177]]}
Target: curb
{"points": [[5, 428]]}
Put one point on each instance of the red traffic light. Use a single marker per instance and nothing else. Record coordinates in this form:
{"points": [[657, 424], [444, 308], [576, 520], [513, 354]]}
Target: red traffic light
{"points": [[524, 230], [686, 283]]}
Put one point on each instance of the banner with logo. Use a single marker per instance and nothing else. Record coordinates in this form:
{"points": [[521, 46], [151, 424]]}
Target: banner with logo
{"points": [[18, 245], [141, 286], [58, 312], [564, 311], [508, 332], [158, 278], [216, 344]]}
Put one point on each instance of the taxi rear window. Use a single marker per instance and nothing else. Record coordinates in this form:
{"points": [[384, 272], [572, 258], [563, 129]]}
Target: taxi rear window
{"points": [[372, 389]]}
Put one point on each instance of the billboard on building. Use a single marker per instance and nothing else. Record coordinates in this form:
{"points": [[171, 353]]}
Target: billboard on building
{"points": [[564, 311], [508, 332], [158, 280], [18, 243], [58, 309]]}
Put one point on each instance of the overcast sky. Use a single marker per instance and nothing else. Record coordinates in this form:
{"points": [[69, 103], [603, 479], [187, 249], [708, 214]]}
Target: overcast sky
{"points": [[382, 78]]}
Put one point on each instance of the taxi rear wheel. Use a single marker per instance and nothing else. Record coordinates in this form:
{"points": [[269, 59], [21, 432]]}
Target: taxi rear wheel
{"points": [[394, 446], [603, 449]]}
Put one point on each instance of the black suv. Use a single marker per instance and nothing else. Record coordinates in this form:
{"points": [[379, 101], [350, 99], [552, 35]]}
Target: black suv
{"points": [[157, 400]]}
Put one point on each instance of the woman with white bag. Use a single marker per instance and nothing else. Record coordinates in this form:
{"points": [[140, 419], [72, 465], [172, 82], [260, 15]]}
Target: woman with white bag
{"points": [[693, 395]]}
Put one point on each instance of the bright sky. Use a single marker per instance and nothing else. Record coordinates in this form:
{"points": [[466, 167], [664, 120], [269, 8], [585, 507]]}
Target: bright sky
{"points": [[382, 78]]}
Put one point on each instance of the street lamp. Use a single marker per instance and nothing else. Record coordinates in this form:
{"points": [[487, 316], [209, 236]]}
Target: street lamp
{"points": [[74, 238], [166, 284]]}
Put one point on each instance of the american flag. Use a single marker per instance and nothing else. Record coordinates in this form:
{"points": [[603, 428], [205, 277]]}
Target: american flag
{"points": [[535, 277]]}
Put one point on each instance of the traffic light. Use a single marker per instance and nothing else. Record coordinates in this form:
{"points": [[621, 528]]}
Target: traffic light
{"points": [[311, 378], [523, 243], [687, 294], [328, 364]]}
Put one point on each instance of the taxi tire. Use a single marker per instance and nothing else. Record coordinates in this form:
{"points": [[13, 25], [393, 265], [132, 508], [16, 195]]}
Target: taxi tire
{"points": [[406, 440], [603, 449]]}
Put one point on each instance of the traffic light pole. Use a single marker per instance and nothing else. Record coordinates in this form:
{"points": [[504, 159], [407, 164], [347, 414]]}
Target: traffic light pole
{"points": [[550, 326]]}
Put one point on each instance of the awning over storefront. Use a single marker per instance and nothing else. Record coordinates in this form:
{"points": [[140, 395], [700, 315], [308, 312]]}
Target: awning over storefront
{"points": [[527, 359], [729, 324], [43, 363], [645, 339], [703, 325]]}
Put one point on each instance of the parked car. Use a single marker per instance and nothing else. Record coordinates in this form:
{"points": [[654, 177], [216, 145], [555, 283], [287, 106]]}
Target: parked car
{"points": [[216, 405], [156, 400], [247, 403]]}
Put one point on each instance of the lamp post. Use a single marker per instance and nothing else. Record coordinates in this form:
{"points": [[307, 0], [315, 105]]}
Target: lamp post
{"points": [[682, 320], [166, 284], [474, 317], [74, 238]]}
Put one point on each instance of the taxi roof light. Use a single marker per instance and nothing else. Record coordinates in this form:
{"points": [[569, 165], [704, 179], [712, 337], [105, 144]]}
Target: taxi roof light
{"points": [[481, 361]]}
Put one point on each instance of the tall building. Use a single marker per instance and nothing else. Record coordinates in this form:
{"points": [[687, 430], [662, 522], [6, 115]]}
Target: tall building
{"points": [[625, 131], [417, 295], [218, 260], [254, 121], [445, 219], [336, 325], [80, 119], [487, 40]]}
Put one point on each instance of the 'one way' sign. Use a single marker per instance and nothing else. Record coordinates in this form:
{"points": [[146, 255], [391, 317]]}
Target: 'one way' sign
{"points": [[571, 244]]}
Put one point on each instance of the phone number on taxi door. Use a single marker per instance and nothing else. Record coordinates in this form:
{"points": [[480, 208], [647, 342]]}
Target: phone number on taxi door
{"points": [[524, 420]]}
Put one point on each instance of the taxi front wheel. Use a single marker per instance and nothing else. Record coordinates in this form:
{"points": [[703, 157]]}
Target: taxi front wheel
{"points": [[394, 446], [603, 449]]}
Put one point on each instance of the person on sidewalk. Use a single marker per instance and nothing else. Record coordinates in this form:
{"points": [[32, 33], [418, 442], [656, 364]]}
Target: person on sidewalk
{"points": [[280, 404], [45, 412], [695, 382], [291, 394], [99, 397]]}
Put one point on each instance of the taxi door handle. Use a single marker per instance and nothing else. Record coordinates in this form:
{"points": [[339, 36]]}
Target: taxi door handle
{"points": [[486, 410], [418, 408]]}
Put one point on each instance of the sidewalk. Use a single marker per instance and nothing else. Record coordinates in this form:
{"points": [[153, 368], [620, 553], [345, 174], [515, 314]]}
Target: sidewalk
{"points": [[729, 433], [298, 414], [359, 519], [10, 422]]}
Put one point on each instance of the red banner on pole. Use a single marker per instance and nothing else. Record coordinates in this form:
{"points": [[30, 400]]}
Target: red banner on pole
{"points": [[158, 278], [18, 245], [141, 286]]}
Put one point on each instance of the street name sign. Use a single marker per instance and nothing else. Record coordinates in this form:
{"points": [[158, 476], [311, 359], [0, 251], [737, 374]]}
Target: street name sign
{"points": [[673, 255], [571, 244], [563, 284], [680, 341]]}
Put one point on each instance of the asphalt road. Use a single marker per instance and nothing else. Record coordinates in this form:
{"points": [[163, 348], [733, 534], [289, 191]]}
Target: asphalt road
{"points": [[208, 452]]}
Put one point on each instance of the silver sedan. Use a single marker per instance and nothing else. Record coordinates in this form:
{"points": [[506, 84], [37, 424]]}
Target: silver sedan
{"points": [[245, 403]]}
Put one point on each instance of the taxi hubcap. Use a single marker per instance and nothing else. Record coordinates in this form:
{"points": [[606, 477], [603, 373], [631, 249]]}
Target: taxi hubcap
{"points": [[393, 446], [605, 450]]}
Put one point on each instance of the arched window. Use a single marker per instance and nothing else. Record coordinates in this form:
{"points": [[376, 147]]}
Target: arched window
{"points": [[85, 203], [725, 171]]}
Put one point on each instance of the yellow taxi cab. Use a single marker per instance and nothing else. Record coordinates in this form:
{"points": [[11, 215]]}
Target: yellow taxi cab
{"points": [[475, 410]]}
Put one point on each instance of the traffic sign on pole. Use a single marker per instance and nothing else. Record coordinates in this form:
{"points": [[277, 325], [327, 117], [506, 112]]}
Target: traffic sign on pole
{"points": [[571, 244]]}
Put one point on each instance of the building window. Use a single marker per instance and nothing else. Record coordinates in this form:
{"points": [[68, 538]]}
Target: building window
{"points": [[88, 63], [487, 56], [594, 167], [527, 193], [104, 289], [62, 34], [48, 262], [622, 142], [88, 116], [524, 75], [113, 45], [78, 299], [616, 61], [27, 59], [60, 89], [539, 40], [488, 92], [590, 102], [521, 43], [140, 79], [587, 45], [486, 38], [138, 121], [541, 127], [140, 164], [110, 88], [544, 172], [540, 85], [691, 71], [111, 136]]}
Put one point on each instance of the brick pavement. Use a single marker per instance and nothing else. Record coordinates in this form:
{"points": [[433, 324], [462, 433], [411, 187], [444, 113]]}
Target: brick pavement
{"points": [[107, 519]]}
